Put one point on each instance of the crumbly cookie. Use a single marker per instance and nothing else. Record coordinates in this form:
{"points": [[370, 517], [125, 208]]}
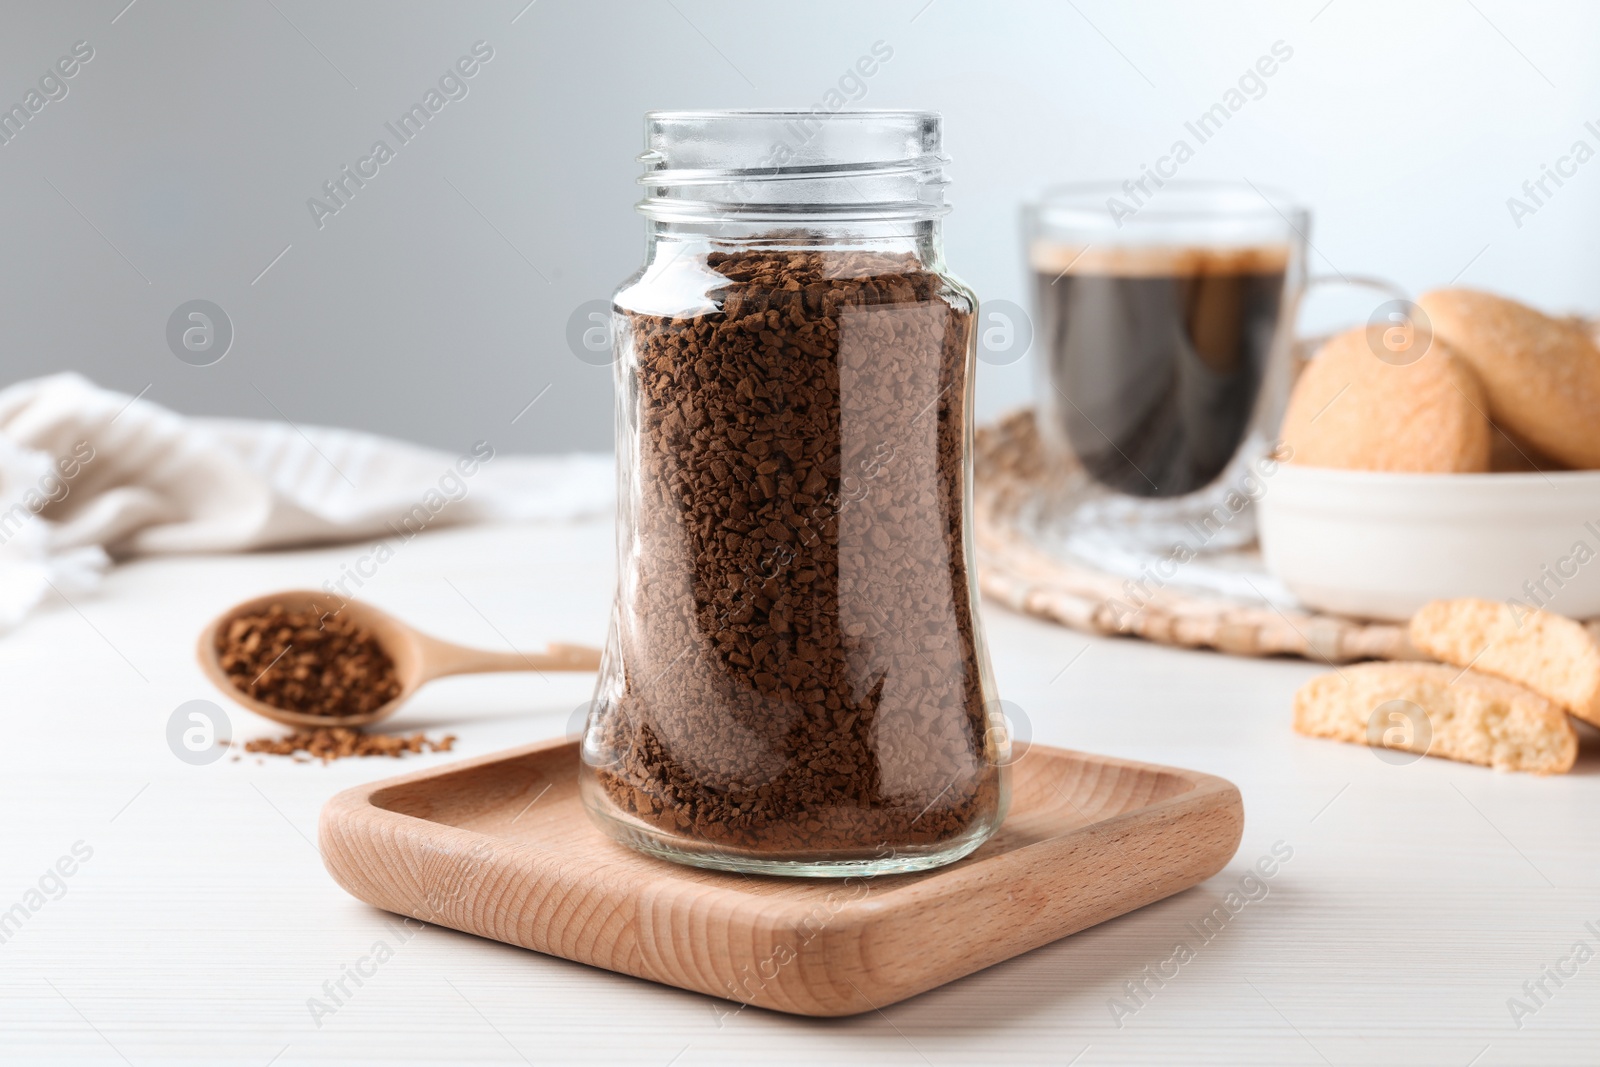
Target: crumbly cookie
{"points": [[1351, 410], [1471, 717], [1509, 454], [1548, 653], [1542, 374]]}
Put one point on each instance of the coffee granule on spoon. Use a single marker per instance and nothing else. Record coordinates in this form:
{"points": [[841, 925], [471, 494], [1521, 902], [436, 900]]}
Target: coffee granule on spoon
{"points": [[307, 661]]}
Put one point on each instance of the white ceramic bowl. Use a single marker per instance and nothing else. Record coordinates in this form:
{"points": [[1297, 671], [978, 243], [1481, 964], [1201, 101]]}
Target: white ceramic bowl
{"points": [[1381, 545]]}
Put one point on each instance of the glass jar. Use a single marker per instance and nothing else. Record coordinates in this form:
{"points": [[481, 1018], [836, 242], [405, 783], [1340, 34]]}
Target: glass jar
{"points": [[795, 680]]}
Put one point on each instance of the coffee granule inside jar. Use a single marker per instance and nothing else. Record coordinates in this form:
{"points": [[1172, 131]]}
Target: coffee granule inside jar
{"points": [[800, 671], [329, 743], [307, 661]]}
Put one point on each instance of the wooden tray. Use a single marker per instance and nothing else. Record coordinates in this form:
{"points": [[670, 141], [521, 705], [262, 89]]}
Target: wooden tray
{"points": [[500, 846]]}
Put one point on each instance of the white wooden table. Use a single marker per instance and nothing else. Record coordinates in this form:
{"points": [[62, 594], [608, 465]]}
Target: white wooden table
{"points": [[1418, 900]]}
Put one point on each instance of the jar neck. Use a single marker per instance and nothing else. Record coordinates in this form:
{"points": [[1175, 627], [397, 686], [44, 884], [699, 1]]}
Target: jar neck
{"points": [[793, 168], [922, 238]]}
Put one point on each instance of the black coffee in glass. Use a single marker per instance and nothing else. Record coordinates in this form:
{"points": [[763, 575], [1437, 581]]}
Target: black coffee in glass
{"points": [[1155, 356]]}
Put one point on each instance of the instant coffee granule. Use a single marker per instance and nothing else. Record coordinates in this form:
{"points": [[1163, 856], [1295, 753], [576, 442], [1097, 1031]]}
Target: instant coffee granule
{"points": [[329, 743], [800, 669], [308, 661]]}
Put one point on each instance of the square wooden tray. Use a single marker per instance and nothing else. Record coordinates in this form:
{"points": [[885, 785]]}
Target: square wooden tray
{"points": [[500, 846]]}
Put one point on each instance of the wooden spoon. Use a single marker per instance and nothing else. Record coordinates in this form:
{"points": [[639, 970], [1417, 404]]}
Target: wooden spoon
{"points": [[418, 658]]}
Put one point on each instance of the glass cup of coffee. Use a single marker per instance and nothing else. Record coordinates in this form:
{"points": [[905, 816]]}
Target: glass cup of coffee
{"points": [[1163, 323]]}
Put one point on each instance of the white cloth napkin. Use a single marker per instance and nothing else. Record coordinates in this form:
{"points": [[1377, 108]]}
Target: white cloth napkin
{"points": [[88, 475]]}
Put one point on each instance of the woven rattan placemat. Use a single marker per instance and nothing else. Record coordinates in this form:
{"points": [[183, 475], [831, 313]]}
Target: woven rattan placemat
{"points": [[1016, 569]]}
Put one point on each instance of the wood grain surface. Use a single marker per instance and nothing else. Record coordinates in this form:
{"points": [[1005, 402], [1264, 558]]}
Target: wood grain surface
{"points": [[500, 846], [1420, 897]]}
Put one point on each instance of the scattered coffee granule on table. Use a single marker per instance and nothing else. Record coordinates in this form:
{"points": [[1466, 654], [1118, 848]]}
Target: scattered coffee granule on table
{"points": [[307, 661], [340, 742], [799, 670]]}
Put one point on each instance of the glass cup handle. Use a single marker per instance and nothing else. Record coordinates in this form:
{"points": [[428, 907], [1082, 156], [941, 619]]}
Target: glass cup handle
{"points": [[1304, 345]]}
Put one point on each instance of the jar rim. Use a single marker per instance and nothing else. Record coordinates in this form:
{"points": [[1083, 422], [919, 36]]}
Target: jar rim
{"points": [[771, 112], [787, 163]]}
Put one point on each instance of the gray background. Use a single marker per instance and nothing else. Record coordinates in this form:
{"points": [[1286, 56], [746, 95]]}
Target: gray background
{"points": [[434, 306]]}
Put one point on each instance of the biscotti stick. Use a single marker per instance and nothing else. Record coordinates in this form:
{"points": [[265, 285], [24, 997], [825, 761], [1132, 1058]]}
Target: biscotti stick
{"points": [[1548, 653], [1471, 717], [1542, 375], [1353, 411]]}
